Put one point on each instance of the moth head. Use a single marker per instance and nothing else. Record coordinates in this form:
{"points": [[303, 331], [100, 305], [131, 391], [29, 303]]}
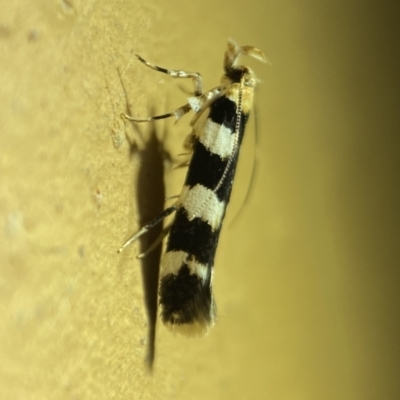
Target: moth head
{"points": [[240, 73]]}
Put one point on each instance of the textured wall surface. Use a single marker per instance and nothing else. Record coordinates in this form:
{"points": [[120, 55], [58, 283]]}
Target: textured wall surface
{"points": [[305, 276]]}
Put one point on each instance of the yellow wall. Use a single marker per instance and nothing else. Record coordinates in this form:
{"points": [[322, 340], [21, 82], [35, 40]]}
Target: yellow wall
{"points": [[305, 278]]}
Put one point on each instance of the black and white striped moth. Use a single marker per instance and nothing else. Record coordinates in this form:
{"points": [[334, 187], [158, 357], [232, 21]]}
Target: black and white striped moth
{"points": [[186, 273]]}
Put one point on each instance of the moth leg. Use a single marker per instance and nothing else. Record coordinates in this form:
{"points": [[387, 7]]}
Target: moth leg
{"points": [[196, 104], [177, 73], [148, 226], [159, 239], [182, 164], [177, 113]]}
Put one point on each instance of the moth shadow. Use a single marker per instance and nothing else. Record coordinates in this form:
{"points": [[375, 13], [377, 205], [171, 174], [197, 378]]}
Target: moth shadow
{"points": [[150, 203]]}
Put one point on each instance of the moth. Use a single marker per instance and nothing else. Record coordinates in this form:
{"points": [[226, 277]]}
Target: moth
{"points": [[217, 129]]}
